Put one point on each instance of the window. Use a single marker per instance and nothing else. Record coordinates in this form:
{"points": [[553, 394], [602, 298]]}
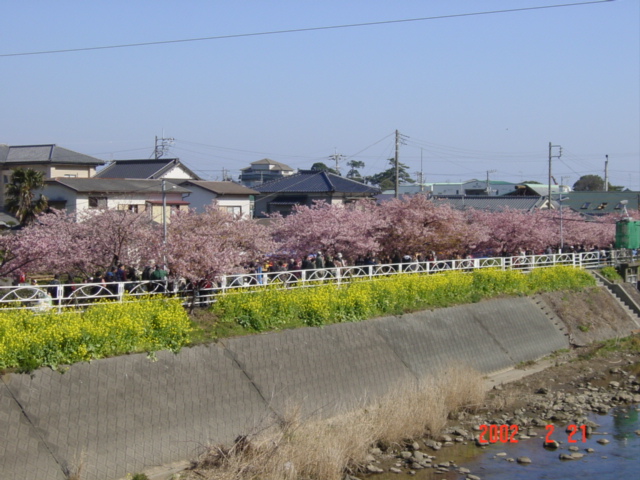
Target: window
{"points": [[619, 206], [126, 207], [70, 175], [585, 205], [235, 211], [6, 178], [602, 206], [97, 202]]}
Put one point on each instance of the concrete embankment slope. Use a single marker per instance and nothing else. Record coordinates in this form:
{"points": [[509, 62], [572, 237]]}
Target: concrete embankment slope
{"points": [[126, 414]]}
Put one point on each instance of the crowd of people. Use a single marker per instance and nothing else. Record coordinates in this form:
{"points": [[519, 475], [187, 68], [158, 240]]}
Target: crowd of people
{"points": [[159, 278]]}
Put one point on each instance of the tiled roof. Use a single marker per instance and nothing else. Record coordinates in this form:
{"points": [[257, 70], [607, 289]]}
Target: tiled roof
{"points": [[50, 153], [492, 203], [150, 168], [221, 188], [311, 181], [116, 185]]}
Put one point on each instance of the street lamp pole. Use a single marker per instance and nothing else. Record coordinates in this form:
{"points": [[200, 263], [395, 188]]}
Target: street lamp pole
{"points": [[560, 199], [164, 224], [164, 212], [561, 230]]}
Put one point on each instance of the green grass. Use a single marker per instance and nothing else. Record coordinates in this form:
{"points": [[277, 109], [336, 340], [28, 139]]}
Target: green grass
{"points": [[624, 345], [611, 274]]}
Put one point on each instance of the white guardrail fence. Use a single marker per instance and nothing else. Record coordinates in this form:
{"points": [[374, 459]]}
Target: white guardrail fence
{"points": [[79, 295]]}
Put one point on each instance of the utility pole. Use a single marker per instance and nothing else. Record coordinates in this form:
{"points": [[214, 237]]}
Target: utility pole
{"points": [[421, 172], [397, 163], [560, 199], [336, 157], [399, 139], [162, 147], [606, 173], [488, 189], [552, 156]]}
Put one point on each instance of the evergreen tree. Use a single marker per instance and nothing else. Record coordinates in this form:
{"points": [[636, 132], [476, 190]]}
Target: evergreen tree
{"points": [[321, 167], [20, 194], [386, 180], [353, 172], [593, 183]]}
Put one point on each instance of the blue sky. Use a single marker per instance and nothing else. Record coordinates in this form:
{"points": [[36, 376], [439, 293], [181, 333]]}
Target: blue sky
{"points": [[471, 93]]}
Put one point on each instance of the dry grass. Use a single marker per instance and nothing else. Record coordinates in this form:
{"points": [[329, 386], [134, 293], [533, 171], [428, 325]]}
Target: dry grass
{"points": [[462, 388], [326, 449], [505, 400]]}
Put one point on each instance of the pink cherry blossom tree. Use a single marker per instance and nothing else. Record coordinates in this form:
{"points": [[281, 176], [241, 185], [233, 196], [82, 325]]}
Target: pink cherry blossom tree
{"points": [[588, 231], [351, 229], [15, 256], [207, 245], [415, 224], [510, 232], [58, 242]]}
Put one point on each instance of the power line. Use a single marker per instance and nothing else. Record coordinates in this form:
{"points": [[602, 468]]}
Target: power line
{"points": [[300, 30]]}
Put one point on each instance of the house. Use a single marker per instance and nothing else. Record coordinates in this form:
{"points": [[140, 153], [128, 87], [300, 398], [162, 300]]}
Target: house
{"points": [[307, 186], [135, 195], [50, 159], [263, 171], [168, 168], [230, 196]]}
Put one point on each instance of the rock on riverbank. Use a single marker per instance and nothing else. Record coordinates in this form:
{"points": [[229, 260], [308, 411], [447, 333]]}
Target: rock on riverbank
{"points": [[581, 382]]}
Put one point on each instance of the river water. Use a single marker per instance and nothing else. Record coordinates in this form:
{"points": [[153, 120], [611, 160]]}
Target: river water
{"points": [[619, 459]]}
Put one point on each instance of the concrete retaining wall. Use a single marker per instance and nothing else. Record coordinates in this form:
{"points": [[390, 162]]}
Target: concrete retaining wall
{"points": [[126, 414]]}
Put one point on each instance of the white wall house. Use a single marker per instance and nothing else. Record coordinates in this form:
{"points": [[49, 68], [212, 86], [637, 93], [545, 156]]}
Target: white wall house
{"points": [[230, 196], [81, 194], [51, 160]]}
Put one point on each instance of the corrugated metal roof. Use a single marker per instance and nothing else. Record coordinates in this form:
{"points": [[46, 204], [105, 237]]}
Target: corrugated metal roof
{"points": [[49, 153], [116, 185], [408, 189], [601, 203], [491, 203], [311, 181]]}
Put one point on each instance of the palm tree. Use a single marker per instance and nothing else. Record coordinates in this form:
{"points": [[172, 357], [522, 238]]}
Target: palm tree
{"points": [[20, 194]]}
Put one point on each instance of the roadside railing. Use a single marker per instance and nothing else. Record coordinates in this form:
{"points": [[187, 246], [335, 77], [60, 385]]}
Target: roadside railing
{"points": [[47, 297]]}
